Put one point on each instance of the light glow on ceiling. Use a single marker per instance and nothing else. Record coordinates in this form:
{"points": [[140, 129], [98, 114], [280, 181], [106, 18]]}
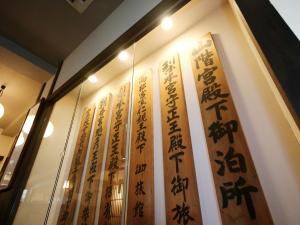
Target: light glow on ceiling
{"points": [[93, 79], [166, 23], [123, 55]]}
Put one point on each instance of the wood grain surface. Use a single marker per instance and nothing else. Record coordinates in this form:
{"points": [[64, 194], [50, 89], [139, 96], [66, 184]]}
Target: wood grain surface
{"points": [[140, 209], [240, 196], [181, 193]]}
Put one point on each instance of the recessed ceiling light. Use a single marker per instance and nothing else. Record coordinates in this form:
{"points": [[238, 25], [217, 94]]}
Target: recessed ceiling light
{"points": [[123, 56], [166, 23], [93, 79]]}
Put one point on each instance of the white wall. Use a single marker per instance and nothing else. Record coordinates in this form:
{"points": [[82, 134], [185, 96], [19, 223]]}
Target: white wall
{"points": [[273, 145], [121, 19], [289, 11]]}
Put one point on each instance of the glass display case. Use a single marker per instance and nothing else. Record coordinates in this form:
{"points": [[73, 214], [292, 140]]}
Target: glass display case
{"points": [[133, 143]]}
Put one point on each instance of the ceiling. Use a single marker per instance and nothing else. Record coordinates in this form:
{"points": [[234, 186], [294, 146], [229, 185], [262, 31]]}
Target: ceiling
{"points": [[23, 81], [183, 19], [51, 29]]}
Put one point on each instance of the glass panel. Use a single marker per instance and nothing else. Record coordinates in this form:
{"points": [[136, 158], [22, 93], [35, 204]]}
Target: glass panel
{"points": [[38, 192], [20, 84], [74, 179], [14, 156]]}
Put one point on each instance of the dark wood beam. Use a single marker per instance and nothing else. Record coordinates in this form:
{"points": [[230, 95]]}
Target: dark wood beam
{"points": [[280, 47]]}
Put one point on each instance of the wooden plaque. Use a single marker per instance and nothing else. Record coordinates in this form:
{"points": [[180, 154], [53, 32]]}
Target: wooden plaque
{"points": [[111, 207], [181, 194], [140, 209], [240, 196], [66, 214], [89, 194]]}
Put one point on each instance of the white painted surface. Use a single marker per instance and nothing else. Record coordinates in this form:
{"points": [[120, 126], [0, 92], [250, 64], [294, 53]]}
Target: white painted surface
{"points": [[121, 19], [273, 145], [289, 11]]}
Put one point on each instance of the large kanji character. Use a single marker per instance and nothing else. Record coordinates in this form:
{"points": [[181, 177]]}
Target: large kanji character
{"points": [[235, 162], [217, 130], [237, 191], [180, 184], [182, 214]]}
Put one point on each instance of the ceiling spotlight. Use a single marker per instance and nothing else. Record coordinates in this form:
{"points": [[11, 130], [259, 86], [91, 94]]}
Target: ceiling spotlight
{"points": [[123, 56], [93, 79], [166, 23]]}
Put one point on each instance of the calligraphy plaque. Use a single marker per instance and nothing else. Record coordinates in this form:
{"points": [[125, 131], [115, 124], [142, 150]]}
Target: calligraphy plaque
{"points": [[111, 206], [89, 194], [240, 196], [181, 194], [66, 214], [140, 208]]}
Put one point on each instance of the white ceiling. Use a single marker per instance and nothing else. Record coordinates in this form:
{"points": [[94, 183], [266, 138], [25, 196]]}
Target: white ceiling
{"points": [[183, 19]]}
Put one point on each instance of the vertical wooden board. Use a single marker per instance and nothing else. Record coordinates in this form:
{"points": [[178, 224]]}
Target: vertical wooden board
{"points": [[111, 206], [181, 194], [140, 208], [240, 196], [66, 214], [89, 194]]}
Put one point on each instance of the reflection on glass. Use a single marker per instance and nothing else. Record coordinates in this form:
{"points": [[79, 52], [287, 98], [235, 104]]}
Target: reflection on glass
{"points": [[8, 171], [29, 121], [20, 140]]}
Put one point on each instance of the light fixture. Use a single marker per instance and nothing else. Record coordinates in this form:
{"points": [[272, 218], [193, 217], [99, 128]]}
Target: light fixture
{"points": [[166, 23], [2, 110], [93, 79], [29, 121], [20, 140], [123, 55]]}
